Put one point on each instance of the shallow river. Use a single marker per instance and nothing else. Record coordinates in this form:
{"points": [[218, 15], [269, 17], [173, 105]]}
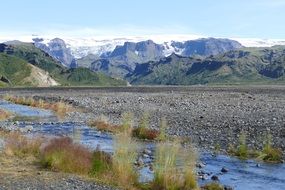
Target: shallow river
{"points": [[242, 175]]}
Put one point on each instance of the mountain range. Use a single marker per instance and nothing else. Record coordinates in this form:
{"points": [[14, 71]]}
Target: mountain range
{"points": [[243, 66], [123, 59], [187, 62]]}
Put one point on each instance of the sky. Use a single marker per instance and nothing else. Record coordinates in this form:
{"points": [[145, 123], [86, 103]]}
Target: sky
{"points": [[216, 18]]}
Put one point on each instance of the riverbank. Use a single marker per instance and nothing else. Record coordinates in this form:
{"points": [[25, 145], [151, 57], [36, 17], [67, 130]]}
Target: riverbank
{"points": [[23, 173], [211, 116]]}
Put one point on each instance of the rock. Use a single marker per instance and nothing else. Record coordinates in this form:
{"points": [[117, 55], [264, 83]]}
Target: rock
{"points": [[26, 129], [139, 162], [145, 156], [224, 170], [215, 178], [147, 151], [226, 187], [200, 165]]}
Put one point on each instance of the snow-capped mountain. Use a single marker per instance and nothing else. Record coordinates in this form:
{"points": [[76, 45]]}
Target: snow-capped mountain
{"points": [[81, 47]]}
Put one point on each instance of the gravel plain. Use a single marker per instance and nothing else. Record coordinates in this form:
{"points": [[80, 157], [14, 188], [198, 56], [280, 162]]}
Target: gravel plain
{"points": [[210, 116]]}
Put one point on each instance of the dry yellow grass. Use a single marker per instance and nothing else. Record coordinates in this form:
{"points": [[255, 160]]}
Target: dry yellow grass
{"points": [[4, 115], [18, 145], [60, 108], [167, 175]]}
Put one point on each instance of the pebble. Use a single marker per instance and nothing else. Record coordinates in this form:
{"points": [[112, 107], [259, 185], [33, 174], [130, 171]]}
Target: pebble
{"points": [[224, 170]]}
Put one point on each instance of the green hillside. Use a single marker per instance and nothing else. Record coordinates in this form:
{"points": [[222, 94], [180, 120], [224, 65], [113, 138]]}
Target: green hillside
{"points": [[28, 53], [244, 66]]}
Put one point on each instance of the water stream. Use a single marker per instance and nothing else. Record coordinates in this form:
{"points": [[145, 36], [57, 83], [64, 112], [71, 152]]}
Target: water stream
{"points": [[242, 175]]}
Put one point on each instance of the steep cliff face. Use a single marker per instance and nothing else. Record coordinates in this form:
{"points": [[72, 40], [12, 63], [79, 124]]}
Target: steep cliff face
{"points": [[58, 50]]}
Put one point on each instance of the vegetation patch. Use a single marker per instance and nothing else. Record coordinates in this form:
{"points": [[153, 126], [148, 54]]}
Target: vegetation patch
{"points": [[61, 154], [105, 126], [4, 115], [213, 186], [267, 154], [125, 154], [143, 131], [21, 146], [167, 176]]}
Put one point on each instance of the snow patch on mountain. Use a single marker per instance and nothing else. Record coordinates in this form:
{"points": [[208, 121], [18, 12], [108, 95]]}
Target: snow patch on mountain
{"points": [[81, 47]]}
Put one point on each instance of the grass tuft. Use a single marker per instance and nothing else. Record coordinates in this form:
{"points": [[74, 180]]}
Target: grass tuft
{"points": [[162, 130], [167, 176], [101, 163], [125, 155], [4, 115], [19, 145], [269, 153], [143, 131], [105, 126]]}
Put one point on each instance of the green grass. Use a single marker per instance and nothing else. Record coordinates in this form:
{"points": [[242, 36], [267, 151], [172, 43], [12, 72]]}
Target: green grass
{"points": [[267, 154], [244, 66], [15, 60], [15, 70]]}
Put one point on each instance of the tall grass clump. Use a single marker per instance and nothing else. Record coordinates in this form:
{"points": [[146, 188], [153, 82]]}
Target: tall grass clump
{"points": [[125, 155], [241, 150], [162, 130], [167, 175], [143, 131], [21, 146], [4, 115], [61, 154], [101, 164], [269, 153]]}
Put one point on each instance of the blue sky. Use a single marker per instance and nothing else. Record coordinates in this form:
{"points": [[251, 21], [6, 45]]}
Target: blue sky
{"points": [[217, 18]]}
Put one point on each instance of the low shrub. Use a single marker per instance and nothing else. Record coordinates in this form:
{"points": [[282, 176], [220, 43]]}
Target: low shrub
{"points": [[61, 154]]}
